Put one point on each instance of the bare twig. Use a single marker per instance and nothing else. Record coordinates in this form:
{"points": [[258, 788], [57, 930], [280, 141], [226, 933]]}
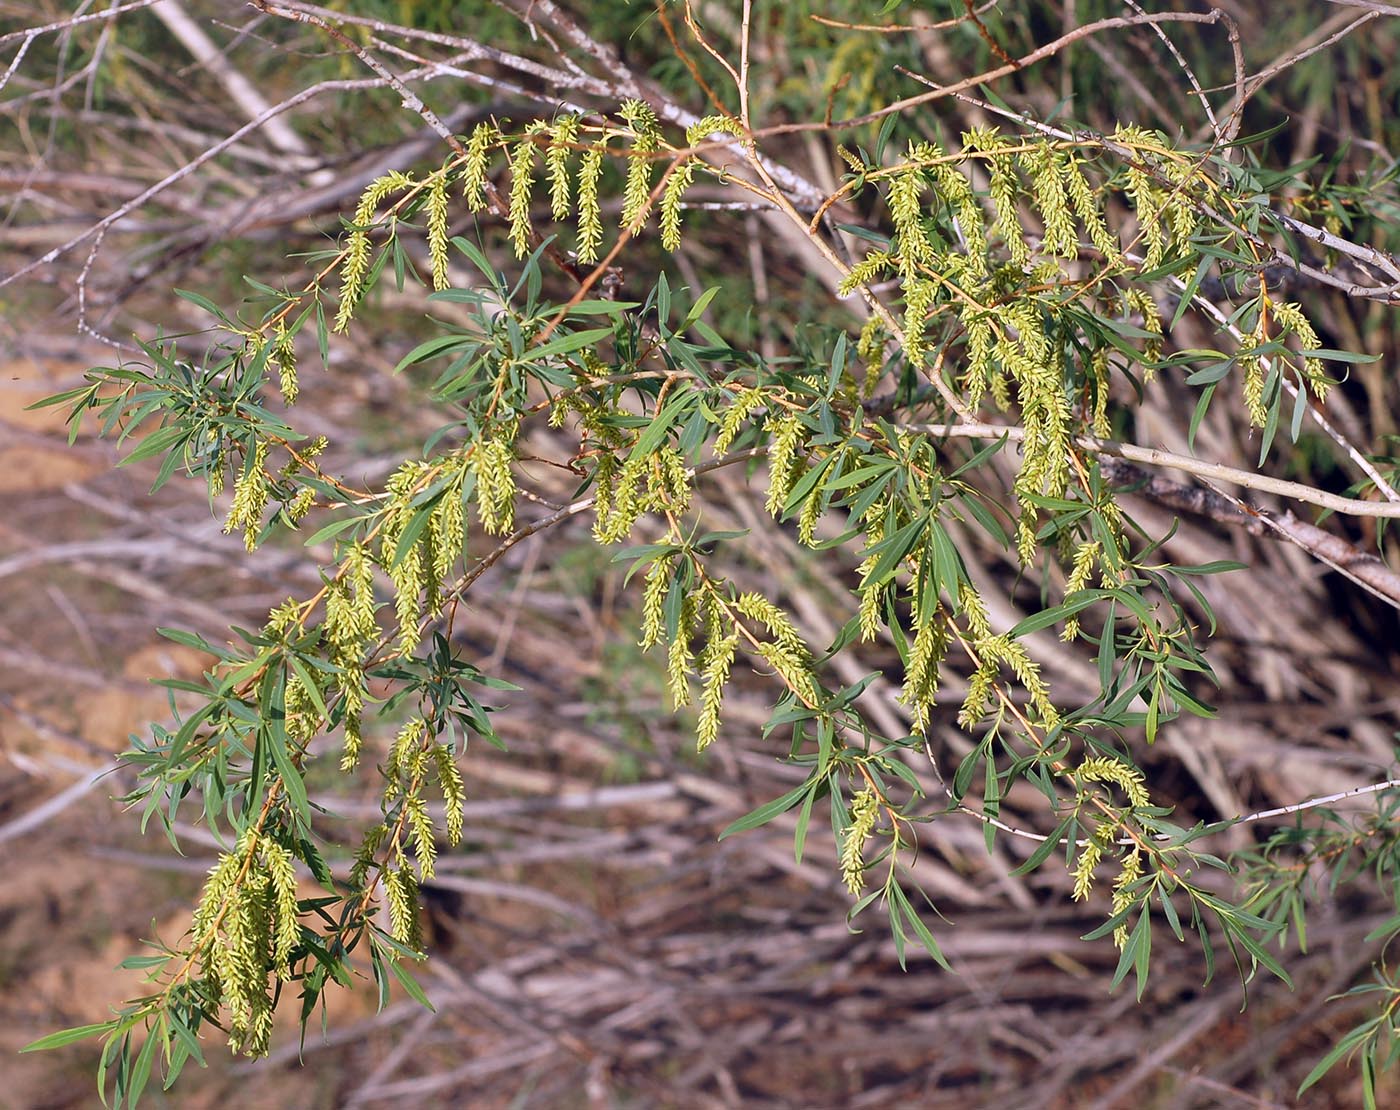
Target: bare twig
{"points": [[1154, 456]]}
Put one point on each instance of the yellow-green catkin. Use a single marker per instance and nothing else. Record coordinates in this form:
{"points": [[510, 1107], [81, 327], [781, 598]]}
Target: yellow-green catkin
{"points": [[905, 200], [1085, 557], [810, 516], [722, 641], [1122, 896], [355, 268], [671, 202], [870, 347], [479, 143], [979, 694], [283, 889], [454, 791], [420, 829], [957, 192], [1141, 301], [680, 662], [1291, 318], [349, 626], [1148, 201], [981, 366], [872, 594], [590, 217], [284, 356], [556, 160], [1254, 375], [636, 191], [250, 493], [1129, 779], [920, 295], [1005, 188], [1044, 167], [522, 183], [874, 265], [786, 652], [930, 645], [973, 610], [786, 431], [495, 482], [401, 895], [1084, 199], [618, 511], [658, 582], [745, 402], [449, 524], [1090, 856], [668, 482], [865, 810], [1180, 204], [683, 175], [1098, 371], [407, 569], [437, 228]]}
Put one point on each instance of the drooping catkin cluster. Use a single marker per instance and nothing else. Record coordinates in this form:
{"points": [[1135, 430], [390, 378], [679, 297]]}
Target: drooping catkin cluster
{"points": [[284, 357], [558, 142], [1290, 320], [492, 463], [522, 183], [250, 494], [865, 810], [407, 565], [646, 141], [354, 268], [418, 545], [784, 650], [245, 931], [721, 643], [414, 757], [1167, 217], [643, 483], [1125, 776], [922, 672], [991, 653], [1012, 341], [787, 433], [683, 175], [350, 626], [437, 204], [1129, 780]]}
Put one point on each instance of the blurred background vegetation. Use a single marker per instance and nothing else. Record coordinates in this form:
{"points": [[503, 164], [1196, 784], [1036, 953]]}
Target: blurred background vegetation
{"points": [[593, 944]]}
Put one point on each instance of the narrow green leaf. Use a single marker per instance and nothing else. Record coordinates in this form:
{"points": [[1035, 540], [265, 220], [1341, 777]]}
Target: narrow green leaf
{"points": [[69, 1036], [573, 341], [766, 812]]}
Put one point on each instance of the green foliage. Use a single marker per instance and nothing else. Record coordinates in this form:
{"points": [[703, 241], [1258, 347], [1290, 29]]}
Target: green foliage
{"points": [[1014, 274]]}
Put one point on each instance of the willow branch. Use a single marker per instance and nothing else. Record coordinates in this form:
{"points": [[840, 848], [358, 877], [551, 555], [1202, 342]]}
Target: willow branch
{"points": [[1155, 456]]}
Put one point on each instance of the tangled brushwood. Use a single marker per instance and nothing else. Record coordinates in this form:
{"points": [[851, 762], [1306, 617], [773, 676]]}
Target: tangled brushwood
{"points": [[1006, 296]]}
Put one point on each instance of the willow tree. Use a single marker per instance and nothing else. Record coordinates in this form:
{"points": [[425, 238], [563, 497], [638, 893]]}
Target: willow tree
{"points": [[984, 312]]}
